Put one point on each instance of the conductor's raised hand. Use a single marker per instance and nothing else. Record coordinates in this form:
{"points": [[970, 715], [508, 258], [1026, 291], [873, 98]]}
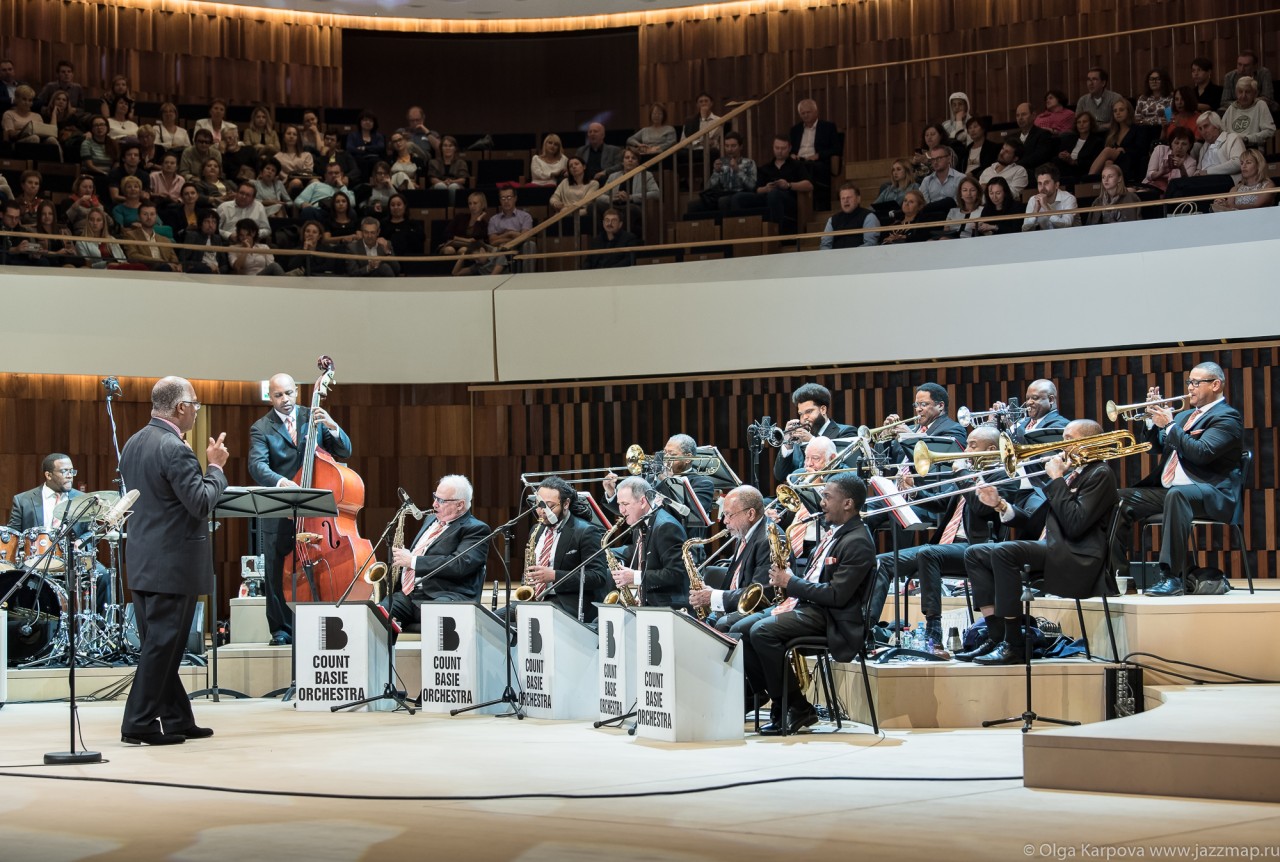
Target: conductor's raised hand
{"points": [[217, 452]]}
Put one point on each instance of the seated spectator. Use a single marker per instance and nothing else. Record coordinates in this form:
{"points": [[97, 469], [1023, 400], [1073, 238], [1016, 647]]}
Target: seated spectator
{"points": [[243, 206], [600, 159], [1208, 94], [1007, 168], [732, 173], [158, 254], [1050, 198], [310, 199], [941, 185], [374, 196], [968, 207], [166, 183], [1248, 116], [212, 185], [8, 84], [127, 213], [407, 236], [186, 216], [913, 204], [1171, 161], [777, 184], [59, 113], [1098, 99], [295, 163], [330, 154], [216, 122], [213, 259], [169, 134], [450, 172], [238, 161], [1056, 118], [83, 198], [1184, 112], [311, 239], [509, 222], [373, 248], [470, 229], [815, 142], [119, 87], [1217, 163], [17, 250], [120, 124], [933, 136], [248, 256], [630, 197], [130, 165], [58, 252], [612, 237], [270, 190], [572, 189], [1038, 145], [852, 216], [981, 153], [1123, 146], [340, 223], [1155, 105], [310, 135], [261, 133], [150, 154], [1247, 67], [95, 247], [1253, 178], [1001, 201], [65, 81], [6, 193], [1080, 149], [699, 121], [366, 144], [30, 196], [957, 123], [18, 122], [406, 165], [424, 141], [901, 181], [1113, 192], [655, 137], [191, 165], [548, 167]]}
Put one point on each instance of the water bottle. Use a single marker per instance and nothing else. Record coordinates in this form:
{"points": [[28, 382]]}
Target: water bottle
{"points": [[921, 638]]}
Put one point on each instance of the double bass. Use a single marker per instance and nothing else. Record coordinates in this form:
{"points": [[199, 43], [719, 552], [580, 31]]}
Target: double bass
{"points": [[327, 551]]}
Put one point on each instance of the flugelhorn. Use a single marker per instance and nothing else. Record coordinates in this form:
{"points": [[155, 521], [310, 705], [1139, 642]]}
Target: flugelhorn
{"points": [[1134, 412], [924, 458]]}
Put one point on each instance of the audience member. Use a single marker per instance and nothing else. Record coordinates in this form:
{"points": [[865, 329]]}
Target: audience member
{"points": [[1098, 99], [1171, 161], [151, 155], [1185, 112], [57, 251], [941, 185], [373, 249], [244, 206], [119, 87], [261, 133], [851, 216], [1080, 149], [1056, 118], [1038, 145], [1113, 192], [1123, 146], [1007, 168], [191, 165], [573, 189], [1208, 94], [615, 238], [450, 172], [248, 256], [424, 140], [1155, 105], [1217, 162], [407, 236], [931, 138], [508, 222], [731, 173], [406, 165], [19, 121], [168, 133], [913, 204], [83, 198], [311, 239], [296, 163], [65, 81], [130, 165], [1001, 201], [270, 191], [374, 196], [212, 185], [17, 250], [1050, 198], [901, 181], [309, 200], [1253, 178], [630, 197], [166, 183], [331, 154], [126, 213], [1247, 67], [548, 166], [9, 84], [59, 113], [95, 247], [981, 153], [815, 142], [1248, 116], [158, 254], [957, 123], [968, 208], [238, 161], [469, 229], [655, 137], [777, 183], [699, 121], [340, 223], [310, 135], [216, 122], [120, 124], [599, 158], [30, 196], [187, 216], [213, 260], [365, 143]]}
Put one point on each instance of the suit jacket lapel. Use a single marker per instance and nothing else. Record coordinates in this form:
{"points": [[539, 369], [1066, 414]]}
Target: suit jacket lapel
{"points": [[284, 429]]}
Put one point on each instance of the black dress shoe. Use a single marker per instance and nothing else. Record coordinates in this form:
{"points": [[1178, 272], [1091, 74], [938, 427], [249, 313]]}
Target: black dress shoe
{"points": [[981, 649], [281, 639], [196, 732], [801, 718], [1004, 653], [1168, 587], [153, 738]]}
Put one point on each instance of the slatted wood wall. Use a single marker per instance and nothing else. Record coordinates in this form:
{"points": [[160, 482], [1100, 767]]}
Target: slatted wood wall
{"points": [[411, 435]]}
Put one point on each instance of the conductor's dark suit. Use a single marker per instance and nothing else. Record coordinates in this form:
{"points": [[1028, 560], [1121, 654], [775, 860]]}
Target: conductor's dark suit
{"points": [[169, 562], [274, 456], [461, 550]]}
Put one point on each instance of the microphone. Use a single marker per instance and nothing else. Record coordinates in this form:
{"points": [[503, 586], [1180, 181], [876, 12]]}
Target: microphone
{"points": [[405, 500], [551, 517], [116, 514], [111, 384], [663, 500], [25, 630]]}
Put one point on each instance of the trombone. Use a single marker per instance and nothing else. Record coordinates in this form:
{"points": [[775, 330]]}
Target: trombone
{"points": [[1134, 412], [638, 463], [924, 458], [1098, 447], [787, 498]]}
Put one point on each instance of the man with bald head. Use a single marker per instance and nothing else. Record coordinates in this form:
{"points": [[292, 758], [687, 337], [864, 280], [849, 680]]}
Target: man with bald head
{"points": [[1039, 146], [277, 443], [1042, 421], [600, 158]]}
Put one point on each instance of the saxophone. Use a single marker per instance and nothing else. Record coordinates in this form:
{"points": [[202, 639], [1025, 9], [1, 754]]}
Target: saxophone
{"points": [[690, 566], [780, 554], [528, 591], [625, 595], [382, 578]]}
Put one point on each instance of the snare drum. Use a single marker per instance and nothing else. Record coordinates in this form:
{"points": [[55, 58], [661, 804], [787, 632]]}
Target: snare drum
{"points": [[37, 542], [37, 605], [10, 549]]}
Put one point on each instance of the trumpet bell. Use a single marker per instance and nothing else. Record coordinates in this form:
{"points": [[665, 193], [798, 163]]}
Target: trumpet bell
{"points": [[1113, 411], [963, 417]]}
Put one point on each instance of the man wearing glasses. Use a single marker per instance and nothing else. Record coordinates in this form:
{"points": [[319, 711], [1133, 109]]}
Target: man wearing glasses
{"points": [[277, 444], [446, 560], [742, 513], [1199, 471]]}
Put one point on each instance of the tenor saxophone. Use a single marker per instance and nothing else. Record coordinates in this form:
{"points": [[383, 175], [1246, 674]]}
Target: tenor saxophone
{"points": [[382, 578], [625, 595], [691, 566], [528, 591]]}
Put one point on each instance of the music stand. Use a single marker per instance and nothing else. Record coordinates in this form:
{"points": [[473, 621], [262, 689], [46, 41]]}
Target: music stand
{"points": [[256, 502], [723, 478], [680, 490], [589, 510]]}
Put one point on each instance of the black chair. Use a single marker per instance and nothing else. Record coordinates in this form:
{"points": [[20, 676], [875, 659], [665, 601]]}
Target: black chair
{"points": [[490, 172], [816, 647], [1235, 525]]}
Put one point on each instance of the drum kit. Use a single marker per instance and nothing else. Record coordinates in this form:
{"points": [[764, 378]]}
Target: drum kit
{"points": [[38, 585]]}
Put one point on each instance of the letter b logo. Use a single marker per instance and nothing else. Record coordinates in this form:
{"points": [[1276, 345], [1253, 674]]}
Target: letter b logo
{"points": [[332, 637], [655, 648], [449, 639], [535, 637], [610, 642]]}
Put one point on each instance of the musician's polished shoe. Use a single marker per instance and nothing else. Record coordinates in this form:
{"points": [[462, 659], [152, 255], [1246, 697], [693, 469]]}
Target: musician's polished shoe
{"points": [[153, 738], [196, 732], [1168, 587], [1004, 653], [980, 650], [281, 639], [797, 720]]}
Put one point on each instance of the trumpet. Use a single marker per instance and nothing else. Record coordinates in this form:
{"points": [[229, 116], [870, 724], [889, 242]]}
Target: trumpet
{"points": [[924, 458], [873, 433], [966, 417], [1134, 412]]}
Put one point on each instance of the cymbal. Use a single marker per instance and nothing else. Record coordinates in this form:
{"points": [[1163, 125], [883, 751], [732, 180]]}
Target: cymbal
{"points": [[77, 504]]}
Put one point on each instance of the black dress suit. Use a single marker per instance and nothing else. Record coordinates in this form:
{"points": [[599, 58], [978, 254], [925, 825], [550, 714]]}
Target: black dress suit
{"points": [[274, 456], [785, 465], [1071, 555], [832, 607], [825, 142], [169, 562], [1084, 160], [1051, 421], [578, 540], [461, 550], [750, 563], [664, 581], [193, 261], [1210, 456], [1038, 149]]}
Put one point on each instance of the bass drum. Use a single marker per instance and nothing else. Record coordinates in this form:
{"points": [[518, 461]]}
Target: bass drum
{"points": [[10, 549], [35, 612]]}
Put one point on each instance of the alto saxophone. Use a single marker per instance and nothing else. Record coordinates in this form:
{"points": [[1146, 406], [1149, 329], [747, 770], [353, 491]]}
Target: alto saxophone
{"points": [[690, 566], [528, 590], [625, 595], [780, 556], [383, 578]]}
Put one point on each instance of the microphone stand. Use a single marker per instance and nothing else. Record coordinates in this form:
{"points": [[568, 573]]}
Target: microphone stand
{"points": [[115, 586]]}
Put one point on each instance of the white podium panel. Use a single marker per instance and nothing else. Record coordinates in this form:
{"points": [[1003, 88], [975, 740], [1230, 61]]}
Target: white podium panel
{"points": [[463, 648], [4, 658], [689, 679], [616, 678], [557, 654], [341, 655]]}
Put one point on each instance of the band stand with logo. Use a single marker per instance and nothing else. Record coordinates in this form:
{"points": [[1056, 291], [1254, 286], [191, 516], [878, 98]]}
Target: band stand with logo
{"points": [[689, 679], [255, 502], [464, 654], [4, 658], [616, 632], [555, 654], [343, 656]]}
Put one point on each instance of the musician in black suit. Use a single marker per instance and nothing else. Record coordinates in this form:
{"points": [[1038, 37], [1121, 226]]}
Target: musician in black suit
{"points": [[277, 446], [678, 456], [1072, 555], [652, 562], [1199, 473], [563, 539], [446, 561], [931, 420], [168, 558], [742, 512], [827, 601], [1042, 421], [963, 519], [813, 408]]}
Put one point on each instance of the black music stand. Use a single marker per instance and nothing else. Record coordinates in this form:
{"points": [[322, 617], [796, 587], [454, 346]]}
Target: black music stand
{"points": [[240, 502], [722, 478], [680, 490]]}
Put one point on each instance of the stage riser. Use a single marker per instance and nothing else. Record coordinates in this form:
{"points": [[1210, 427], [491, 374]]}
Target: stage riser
{"points": [[51, 683]]}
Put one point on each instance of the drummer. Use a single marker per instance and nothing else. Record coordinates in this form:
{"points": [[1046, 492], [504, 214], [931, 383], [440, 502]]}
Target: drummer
{"points": [[34, 511]]}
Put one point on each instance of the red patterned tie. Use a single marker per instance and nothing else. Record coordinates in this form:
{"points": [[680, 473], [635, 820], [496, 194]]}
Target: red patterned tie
{"points": [[1170, 471], [409, 576], [953, 526], [795, 533], [815, 561], [54, 521], [293, 431], [544, 555]]}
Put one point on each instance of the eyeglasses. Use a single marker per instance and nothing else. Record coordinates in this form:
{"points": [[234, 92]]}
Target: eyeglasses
{"points": [[923, 404], [726, 515], [440, 501], [1192, 383], [71, 472], [195, 405]]}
